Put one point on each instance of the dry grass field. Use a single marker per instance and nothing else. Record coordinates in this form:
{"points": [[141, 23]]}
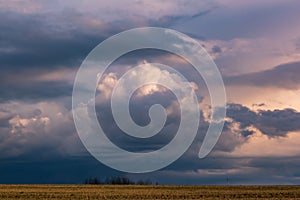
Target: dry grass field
{"points": [[147, 192]]}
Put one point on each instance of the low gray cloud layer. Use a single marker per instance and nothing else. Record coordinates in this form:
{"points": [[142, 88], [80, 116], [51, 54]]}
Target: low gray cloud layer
{"points": [[284, 76], [272, 123]]}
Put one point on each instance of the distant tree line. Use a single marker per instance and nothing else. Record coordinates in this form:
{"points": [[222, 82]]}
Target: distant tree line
{"points": [[118, 181]]}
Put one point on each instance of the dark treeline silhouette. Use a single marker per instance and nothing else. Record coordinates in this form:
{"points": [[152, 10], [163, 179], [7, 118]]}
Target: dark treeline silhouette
{"points": [[118, 181]]}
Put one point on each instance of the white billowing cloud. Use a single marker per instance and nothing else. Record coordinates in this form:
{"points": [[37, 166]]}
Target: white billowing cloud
{"points": [[109, 81], [134, 90], [28, 125], [173, 109], [149, 73], [149, 89], [106, 86]]}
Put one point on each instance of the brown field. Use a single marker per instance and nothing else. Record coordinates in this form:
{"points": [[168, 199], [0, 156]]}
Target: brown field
{"points": [[147, 192]]}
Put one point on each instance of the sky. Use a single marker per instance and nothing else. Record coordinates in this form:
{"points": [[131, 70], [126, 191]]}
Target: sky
{"points": [[255, 44]]}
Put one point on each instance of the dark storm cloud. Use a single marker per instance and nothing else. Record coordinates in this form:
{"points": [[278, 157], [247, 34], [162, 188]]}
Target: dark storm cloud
{"points": [[39, 40], [42, 143], [34, 45], [250, 170], [36, 146], [242, 114], [59, 170], [284, 76], [32, 91], [139, 108], [33, 151], [33, 40], [272, 123], [278, 122]]}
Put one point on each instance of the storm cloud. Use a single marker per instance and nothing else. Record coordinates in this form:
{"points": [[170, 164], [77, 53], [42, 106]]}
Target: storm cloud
{"points": [[272, 123], [254, 44]]}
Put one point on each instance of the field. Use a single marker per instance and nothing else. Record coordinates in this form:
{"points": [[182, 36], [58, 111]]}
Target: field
{"points": [[147, 192]]}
